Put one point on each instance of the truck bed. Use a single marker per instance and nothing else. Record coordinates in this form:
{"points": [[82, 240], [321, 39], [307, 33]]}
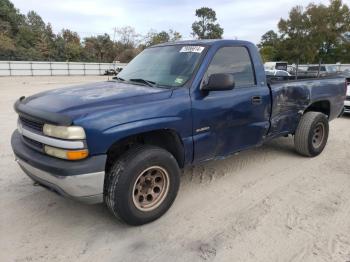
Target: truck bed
{"points": [[290, 98]]}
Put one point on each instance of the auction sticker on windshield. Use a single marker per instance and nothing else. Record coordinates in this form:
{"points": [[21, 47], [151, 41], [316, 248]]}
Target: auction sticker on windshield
{"points": [[192, 49], [179, 80]]}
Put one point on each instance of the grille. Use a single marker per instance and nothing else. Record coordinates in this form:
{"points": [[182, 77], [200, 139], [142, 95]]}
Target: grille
{"points": [[31, 124], [33, 143]]}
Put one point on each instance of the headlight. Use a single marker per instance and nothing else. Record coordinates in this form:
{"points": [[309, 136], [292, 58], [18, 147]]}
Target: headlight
{"points": [[66, 154], [64, 132]]}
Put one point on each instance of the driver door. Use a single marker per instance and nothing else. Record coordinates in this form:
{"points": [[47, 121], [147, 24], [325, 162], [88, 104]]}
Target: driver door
{"points": [[229, 121]]}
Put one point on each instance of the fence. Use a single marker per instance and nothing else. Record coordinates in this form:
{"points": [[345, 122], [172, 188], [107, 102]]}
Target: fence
{"points": [[29, 68], [340, 67]]}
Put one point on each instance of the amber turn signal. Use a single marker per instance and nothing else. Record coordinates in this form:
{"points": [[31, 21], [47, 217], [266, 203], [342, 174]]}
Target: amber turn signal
{"points": [[66, 154], [76, 155]]}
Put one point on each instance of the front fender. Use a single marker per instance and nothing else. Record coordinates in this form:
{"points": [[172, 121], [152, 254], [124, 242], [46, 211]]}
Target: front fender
{"points": [[104, 140], [106, 128]]}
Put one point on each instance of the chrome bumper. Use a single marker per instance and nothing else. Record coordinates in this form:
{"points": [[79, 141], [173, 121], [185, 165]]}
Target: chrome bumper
{"points": [[87, 188], [347, 106]]}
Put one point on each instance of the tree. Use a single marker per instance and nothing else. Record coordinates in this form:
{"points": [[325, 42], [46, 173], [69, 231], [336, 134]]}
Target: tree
{"points": [[35, 22], [318, 34], [269, 46], [127, 36], [342, 52], [206, 28], [158, 38], [174, 35], [101, 48], [154, 38], [68, 42], [296, 46], [126, 55], [7, 46], [70, 36], [328, 26], [10, 18]]}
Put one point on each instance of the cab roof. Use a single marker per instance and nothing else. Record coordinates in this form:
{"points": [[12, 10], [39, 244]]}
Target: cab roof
{"points": [[207, 42]]}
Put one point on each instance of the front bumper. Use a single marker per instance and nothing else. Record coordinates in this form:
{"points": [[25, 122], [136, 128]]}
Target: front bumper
{"points": [[347, 106], [79, 180]]}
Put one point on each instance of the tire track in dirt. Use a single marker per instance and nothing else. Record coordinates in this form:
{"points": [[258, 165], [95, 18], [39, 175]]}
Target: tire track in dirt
{"points": [[207, 172]]}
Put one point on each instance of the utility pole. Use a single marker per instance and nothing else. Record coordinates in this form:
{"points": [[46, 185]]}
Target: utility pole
{"points": [[114, 33]]}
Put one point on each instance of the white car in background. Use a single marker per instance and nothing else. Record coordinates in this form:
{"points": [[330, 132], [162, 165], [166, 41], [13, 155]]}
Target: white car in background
{"points": [[277, 73], [347, 100]]}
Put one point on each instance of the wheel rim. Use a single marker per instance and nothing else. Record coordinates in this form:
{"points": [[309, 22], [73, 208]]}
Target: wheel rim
{"points": [[318, 136], [151, 188]]}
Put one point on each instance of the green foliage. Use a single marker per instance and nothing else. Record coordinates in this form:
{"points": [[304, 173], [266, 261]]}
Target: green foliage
{"points": [[205, 27], [318, 34], [269, 46], [315, 34], [154, 38], [27, 37], [6, 43], [10, 18]]}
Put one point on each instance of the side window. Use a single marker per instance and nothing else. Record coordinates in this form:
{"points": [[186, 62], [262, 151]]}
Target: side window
{"points": [[236, 61]]}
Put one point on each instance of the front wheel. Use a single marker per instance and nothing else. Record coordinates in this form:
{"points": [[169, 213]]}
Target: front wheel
{"points": [[142, 184], [312, 134]]}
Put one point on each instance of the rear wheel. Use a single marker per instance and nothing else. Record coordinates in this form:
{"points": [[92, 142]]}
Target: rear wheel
{"points": [[312, 134], [142, 184]]}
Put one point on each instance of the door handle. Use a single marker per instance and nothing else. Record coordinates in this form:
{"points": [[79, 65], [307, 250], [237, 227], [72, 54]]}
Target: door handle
{"points": [[256, 100]]}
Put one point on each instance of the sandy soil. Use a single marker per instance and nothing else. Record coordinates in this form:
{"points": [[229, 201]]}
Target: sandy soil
{"points": [[266, 204]]}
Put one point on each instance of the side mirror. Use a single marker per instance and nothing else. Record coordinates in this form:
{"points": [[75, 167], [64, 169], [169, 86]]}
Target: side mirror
{"points": [[219, 82]]}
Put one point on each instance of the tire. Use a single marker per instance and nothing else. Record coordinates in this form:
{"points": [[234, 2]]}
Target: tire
{"points": [[309, 140], [134, 177]]}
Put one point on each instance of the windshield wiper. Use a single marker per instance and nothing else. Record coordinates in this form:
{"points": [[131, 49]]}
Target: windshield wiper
{"points": [[118, 78], [143, 81]]}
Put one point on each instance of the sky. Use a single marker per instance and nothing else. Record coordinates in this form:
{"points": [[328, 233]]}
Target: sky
{"points": [[241, 19]]}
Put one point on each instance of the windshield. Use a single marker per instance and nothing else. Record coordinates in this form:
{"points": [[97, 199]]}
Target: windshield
{"points": [[167, 66]]}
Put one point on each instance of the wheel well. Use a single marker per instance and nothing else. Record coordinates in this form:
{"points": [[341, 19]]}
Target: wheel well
{"points": [[165, 138], [320, 106]]}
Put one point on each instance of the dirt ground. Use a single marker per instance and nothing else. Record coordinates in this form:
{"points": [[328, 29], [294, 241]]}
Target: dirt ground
{"points": [[266, 204]]}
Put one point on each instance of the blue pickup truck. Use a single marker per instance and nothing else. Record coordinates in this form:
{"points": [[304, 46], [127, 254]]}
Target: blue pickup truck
{"points": [[125, 141]]}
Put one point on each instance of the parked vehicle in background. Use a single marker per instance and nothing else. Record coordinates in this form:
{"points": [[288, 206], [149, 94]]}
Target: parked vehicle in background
{"points": [[322, 70], [110, 72], [277, 74], [330, 69], [276, 66], [291, 69], [113, 71], [123, 142], [347, 101]]}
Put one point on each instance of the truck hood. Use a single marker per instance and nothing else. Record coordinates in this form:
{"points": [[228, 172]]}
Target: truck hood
{"points": [[84, 99]]}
